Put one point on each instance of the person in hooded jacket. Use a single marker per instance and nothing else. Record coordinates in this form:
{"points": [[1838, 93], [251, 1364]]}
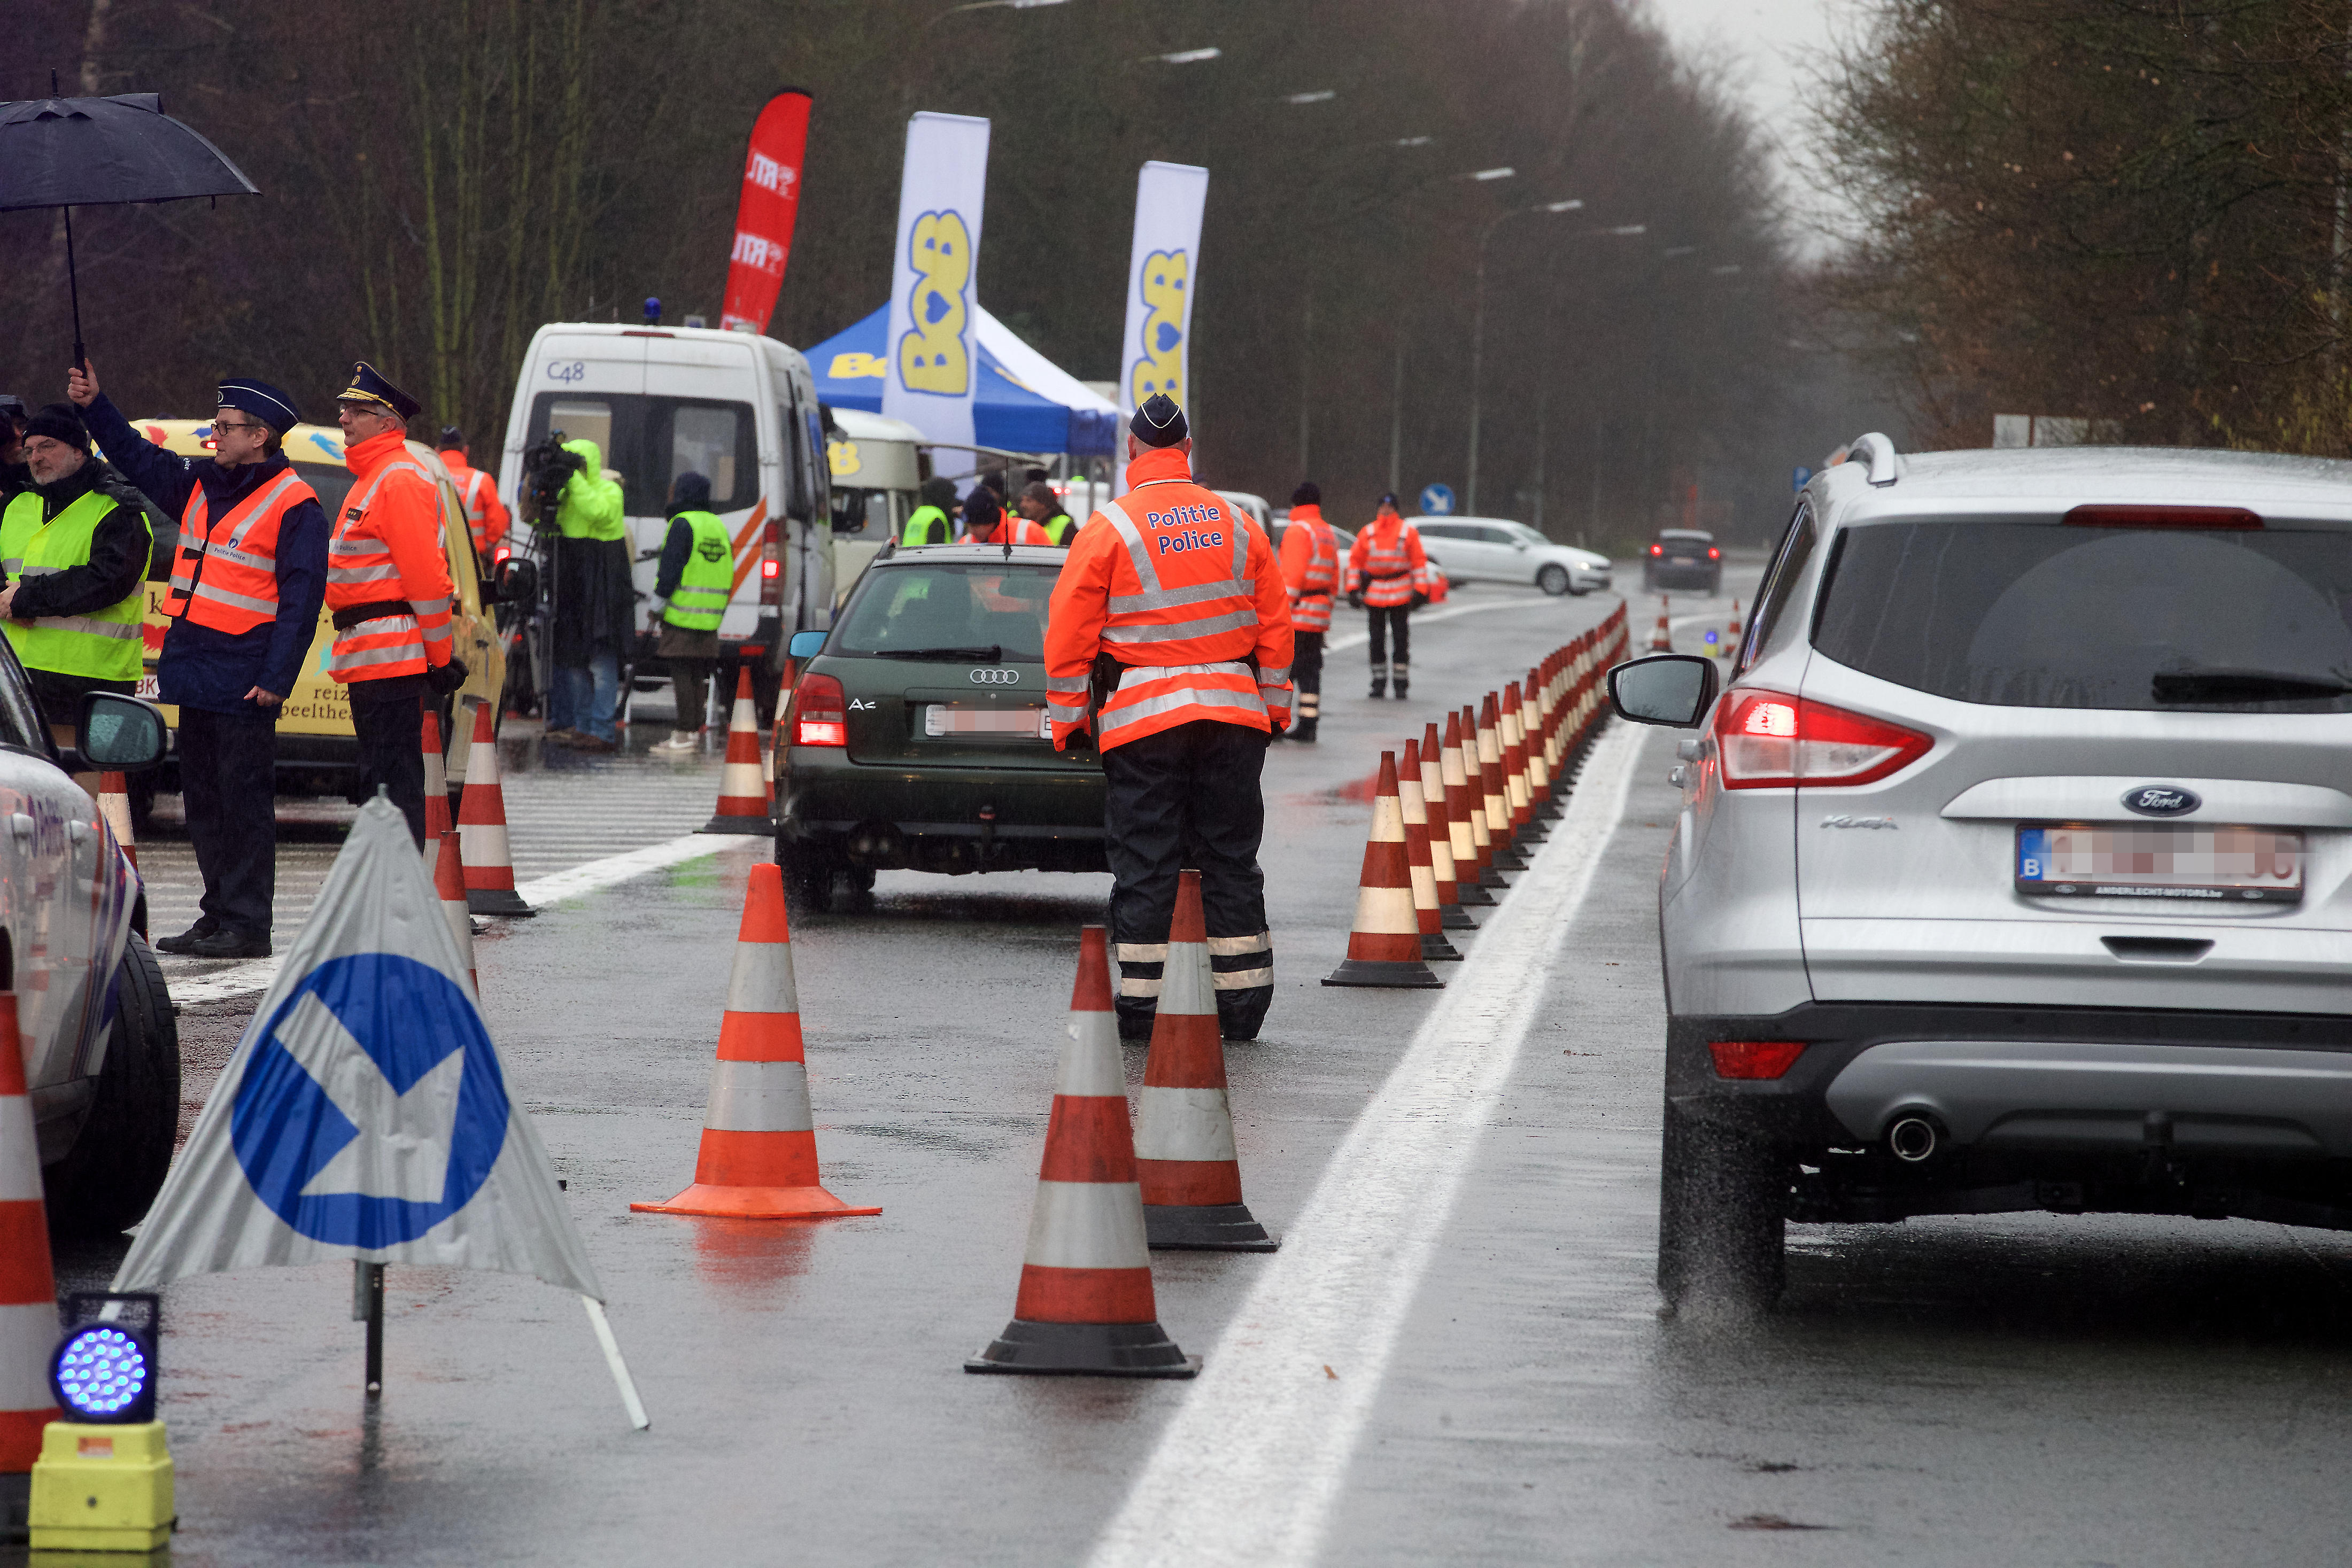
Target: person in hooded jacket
{"points": [[932, 522], [595, 604], [13, 474], [692, 587], [247, 577]]}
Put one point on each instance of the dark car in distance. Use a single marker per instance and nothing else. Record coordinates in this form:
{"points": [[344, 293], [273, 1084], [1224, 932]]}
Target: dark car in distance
{"points": [[1683, 559]]}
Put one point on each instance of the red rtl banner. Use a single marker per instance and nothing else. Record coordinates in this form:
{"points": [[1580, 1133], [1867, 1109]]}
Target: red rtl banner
{"points": [[764, 216]]}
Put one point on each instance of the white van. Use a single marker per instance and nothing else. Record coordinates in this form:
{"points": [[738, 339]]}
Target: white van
{"points": [[739, 409], [876, 472]]}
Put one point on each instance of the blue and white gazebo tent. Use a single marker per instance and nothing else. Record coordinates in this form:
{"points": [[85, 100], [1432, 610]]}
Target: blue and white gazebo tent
{"points": [[1026, 403]]}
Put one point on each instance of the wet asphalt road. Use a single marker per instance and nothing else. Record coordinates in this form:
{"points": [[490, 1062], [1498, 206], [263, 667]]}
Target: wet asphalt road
{"points": [[2020, 1389]]}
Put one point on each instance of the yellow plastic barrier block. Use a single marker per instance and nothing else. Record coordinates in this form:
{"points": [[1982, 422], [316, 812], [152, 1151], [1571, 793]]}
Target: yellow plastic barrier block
{"points": [[101, 1489]]}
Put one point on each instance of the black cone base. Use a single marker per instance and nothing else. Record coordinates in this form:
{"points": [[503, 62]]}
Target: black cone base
{"points": [[1205, 1228], [1086, 1350], [1471, 892], [1453, 917], [1408, 975], [495, 901], [1490, 877], [1531, 831], [762, 824], [1507, 859], [1436, 949]]}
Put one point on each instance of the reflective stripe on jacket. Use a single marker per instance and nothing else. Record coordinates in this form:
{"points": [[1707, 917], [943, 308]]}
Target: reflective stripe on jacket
{"points": [[103, 646], [225, 573], [1386, 563], [708, 581], [1173, 583], [386, 545], [1310, 566]]}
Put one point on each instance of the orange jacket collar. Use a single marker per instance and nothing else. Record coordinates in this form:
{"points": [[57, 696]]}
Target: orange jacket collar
{"points": [[1306, 513], [1157, 465], [374, 452]]}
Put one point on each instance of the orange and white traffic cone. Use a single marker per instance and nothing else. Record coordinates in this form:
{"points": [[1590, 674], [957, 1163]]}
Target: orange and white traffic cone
{"points": [[1184, 1127], [28, 1290], [1445, 829], [1513, 738], [1497, 790], [449, 881], [742, 789], [1730, 633], [758, 1137], [1661, 637], [482, 826], [1525, 748], [1419, 861], [1085, 1304], [436, 788], [1384, 944], [114, 809], [1465, 806]]}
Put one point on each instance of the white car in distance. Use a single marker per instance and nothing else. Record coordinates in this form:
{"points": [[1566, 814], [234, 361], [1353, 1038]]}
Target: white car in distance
{"points": [[1497, 550]]}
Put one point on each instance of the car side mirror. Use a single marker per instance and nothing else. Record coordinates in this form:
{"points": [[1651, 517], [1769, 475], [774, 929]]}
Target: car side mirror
{"points": [[806, 645], [1672, 689], [117, 735], [516, 581]]}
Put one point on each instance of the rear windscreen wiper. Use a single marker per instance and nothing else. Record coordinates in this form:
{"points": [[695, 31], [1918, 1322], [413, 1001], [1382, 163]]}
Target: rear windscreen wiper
{"points": [[988, 655], [2245, 686]]}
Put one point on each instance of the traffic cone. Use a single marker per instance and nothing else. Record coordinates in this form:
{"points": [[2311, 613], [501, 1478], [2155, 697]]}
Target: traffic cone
{"points": [[1468, 818], [1531, 762], [28, 1290], [1730, 633], [449, 881], [482, 827], [114, 809], [1086, 1303], [1661, 638], [1486, 727], [437, 790], [1513, 738], [742, 789], [1442, 830], [1384, 944], [1419, 861], [1184, 1125], [759, 1138]]}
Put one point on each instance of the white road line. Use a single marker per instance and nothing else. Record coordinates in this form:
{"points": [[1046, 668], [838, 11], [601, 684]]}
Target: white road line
{"points": [[1342, 644], [245, 978], [1249, 1468]]}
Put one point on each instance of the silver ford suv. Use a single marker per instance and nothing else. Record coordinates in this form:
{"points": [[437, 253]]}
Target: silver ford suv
{"points": [[2014, 866]]}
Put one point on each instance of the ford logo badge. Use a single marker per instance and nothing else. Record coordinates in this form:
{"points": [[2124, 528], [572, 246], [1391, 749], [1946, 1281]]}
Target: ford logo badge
{"points": [[2161, 800]]}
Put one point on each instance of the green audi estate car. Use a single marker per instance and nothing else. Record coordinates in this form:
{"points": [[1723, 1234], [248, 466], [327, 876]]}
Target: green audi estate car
{"points": [[916, 737]]}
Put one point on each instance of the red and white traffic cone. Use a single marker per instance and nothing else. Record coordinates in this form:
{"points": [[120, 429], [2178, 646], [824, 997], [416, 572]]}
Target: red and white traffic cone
{"points": [[28, 1290], [742, 789], [1495, 790], [1184, 1127], [1662, 637], [1464, 806], [1443, 831], [482, 827], [1085, 1304], [1418, 860], [114, 810], [1521, 744], [1384, 944], [1730, 633], [759, 1136], [1532, 725], [437, 788], [449, 881]]}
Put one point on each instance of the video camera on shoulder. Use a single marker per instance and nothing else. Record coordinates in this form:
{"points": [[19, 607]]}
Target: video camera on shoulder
{"points": [[546, 467]]}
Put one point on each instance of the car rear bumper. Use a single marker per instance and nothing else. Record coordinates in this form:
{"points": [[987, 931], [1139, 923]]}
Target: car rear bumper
{"points": [[1666, 575], [944, 819]]}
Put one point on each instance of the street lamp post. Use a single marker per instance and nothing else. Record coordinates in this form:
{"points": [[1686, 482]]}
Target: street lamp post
{"points": [[1543, 383], [1396, 392], [1478, 334]]}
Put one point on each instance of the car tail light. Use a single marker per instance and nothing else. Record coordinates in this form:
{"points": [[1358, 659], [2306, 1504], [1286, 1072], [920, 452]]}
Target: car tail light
{"points": [[1713, 553], [820, 712], [1755, 1058], [771, 565], [1657, 550], [1770, 740], [500, 556]]}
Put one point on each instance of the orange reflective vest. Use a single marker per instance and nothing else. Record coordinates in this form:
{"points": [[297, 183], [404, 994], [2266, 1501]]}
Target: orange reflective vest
{"points": [[1387, 564], [386, 550], [1183, 593], [478, 494], [1025, 532], [1310, 565], [225, 572]]}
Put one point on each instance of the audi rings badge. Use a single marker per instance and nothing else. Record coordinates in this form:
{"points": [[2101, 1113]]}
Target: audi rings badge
{"points": [[995, 678]]}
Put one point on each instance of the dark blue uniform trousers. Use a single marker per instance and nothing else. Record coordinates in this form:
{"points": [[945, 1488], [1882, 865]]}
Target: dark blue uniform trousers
{"points": [[229, 787]]}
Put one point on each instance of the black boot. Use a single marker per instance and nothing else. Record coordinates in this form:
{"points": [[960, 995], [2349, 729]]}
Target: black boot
{"points": [[1402, 680], [1305, 732], [1379, 686], [186, 939]]}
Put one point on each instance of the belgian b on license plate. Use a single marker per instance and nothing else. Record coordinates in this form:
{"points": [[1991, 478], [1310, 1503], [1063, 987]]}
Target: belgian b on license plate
{"points": [[2172, 861]]}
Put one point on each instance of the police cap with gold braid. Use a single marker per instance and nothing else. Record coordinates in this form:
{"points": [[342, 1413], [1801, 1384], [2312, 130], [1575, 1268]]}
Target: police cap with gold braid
{"points": [[368, 385], [1159, 423]]}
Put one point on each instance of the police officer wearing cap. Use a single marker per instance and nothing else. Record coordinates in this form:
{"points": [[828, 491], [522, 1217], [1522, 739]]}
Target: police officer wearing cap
{"points": [[1168, 638], [388, 588], [248, 574]]}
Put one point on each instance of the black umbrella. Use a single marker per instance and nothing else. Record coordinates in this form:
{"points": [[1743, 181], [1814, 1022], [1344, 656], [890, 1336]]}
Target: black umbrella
{"points": [[99, 151]]}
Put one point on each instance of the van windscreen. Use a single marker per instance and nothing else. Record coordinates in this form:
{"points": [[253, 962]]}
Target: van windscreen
{"points": [[650, 441], [2045, 615]]}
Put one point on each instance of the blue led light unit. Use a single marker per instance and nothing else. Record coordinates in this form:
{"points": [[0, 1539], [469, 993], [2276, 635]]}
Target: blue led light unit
{"points": [[103, 1372]]}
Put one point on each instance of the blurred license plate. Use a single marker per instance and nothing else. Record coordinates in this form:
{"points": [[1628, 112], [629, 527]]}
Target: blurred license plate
{"points": [[150, 687], [2212, 864], [1029, 723]]}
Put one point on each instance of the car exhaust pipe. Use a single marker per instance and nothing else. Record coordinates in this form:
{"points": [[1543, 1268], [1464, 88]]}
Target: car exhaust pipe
{"points": [[1914, 1137]]}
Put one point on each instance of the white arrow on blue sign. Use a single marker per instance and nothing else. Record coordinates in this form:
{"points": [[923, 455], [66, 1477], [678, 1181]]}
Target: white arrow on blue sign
{"points": [[1436, 500]]}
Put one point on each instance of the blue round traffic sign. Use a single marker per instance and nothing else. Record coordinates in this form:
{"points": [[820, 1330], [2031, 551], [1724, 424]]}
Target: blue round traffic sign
{"points": [[373, 1109], [1436, 500]]}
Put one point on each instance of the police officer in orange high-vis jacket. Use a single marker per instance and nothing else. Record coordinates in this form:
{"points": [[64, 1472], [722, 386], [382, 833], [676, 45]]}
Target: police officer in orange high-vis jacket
{"points": [[1168, 638], [1388, 574], [1310, 567], [478, 492], [388, 588]]}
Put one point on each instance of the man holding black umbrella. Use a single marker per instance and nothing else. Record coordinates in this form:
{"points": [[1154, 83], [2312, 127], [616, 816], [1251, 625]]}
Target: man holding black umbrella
{"points": [[247, 581]]}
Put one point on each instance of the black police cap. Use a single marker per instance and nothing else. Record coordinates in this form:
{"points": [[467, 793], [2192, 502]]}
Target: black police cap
{"points": [[267, 404], [1159, 423], [368, 385]]}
